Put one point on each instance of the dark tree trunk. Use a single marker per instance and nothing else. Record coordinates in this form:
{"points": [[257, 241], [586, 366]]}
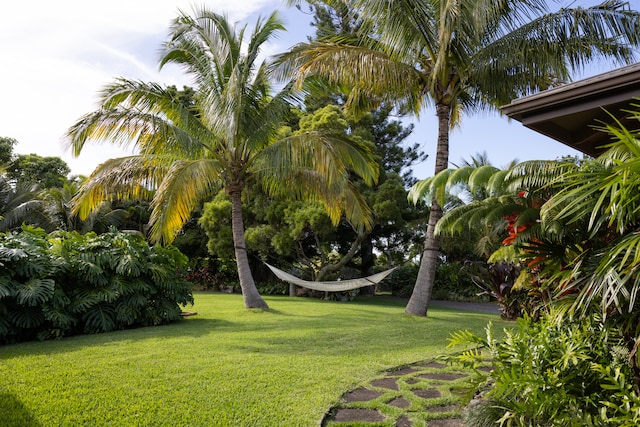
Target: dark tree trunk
{"points": [[252, 298], [421, 295], [367, 263], [332, 268]]}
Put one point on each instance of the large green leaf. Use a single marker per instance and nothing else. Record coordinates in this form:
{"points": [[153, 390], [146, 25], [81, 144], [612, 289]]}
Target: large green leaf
{"points": [[99, 319], [34, 291], [128, 311], [59, 318], [129, 265], [7, 286], [26, 317], [12, 254]]}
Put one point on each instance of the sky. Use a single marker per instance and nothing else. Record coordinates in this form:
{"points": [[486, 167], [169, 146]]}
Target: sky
{"points": [[56, 56]]}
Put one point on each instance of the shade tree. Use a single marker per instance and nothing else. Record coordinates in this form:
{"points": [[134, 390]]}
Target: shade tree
{"points": [[6, 150], [32, 169]]}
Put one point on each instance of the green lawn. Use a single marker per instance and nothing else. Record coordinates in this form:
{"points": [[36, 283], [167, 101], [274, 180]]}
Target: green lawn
{"points": [[227, 366]]}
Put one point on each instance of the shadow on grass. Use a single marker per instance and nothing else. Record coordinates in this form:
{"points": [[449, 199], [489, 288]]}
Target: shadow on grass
{"points": [[191, 327], [286, 328], [14, 413]]}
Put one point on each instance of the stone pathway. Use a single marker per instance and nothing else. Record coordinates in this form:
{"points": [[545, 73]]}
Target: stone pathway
{"points": [[418, 395]]}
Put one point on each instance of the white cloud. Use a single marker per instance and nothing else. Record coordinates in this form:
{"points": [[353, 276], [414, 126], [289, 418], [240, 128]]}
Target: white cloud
{"points": [[56, 56]]}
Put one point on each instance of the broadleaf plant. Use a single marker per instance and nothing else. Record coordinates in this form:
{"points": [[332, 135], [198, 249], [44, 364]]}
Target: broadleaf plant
{"points": [[65, 283]]}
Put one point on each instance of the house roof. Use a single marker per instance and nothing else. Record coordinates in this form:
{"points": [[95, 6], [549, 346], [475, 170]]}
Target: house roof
{"points": [[569, 113]]}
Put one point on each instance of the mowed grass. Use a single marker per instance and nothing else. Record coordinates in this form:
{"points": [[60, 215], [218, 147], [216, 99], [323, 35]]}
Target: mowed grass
{"points": [[227, 366]]}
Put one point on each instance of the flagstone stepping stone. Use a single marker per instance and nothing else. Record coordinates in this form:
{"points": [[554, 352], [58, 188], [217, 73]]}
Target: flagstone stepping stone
{"points": [[390, 383], [401, 372], [434, 365], [362, 394], [430, 374], [356, 414], [442, 376], [449, 422], [427, 393], [400, 402]]}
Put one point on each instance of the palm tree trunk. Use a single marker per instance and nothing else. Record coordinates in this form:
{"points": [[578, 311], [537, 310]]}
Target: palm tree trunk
{"points": [[421, 295], [252, 298]]}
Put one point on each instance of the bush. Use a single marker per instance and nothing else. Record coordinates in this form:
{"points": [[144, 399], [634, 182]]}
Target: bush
{"points": [[273, 288], [66, 283], [497, 280], [400, 282], [205, 278], [554, 372], [452, 282]]}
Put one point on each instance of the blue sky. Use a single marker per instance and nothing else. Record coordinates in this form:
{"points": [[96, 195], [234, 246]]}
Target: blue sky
{"points": [[56, 56]]}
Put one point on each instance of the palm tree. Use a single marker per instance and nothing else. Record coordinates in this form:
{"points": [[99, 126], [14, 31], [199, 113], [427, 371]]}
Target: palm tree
{"points": [[57, 203], [461, 56], [227, 138], [22, 203]]}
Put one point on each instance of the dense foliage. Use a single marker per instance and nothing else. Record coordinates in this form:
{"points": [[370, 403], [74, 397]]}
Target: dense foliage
{"points": [[573, 228], [61, 284], [453, 283], [552, 372], [46, 172]]}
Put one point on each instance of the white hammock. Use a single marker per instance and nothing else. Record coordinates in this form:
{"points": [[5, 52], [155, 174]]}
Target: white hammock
{"points": [[337, 286]]}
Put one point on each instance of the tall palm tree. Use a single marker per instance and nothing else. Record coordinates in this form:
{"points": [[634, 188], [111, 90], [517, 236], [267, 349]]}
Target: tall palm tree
{"points": [[226, 138], [461, 56]]}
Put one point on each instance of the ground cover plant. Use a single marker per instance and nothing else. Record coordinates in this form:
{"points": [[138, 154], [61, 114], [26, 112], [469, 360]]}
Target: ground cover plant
{"points": [[556, 371], [226, 366]]}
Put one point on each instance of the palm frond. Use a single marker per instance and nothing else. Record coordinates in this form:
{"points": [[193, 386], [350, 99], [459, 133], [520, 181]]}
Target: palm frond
{"points": [[522, 56], [127, 178], [141, 115], [479, 178], [185, 184], [359, 67]]}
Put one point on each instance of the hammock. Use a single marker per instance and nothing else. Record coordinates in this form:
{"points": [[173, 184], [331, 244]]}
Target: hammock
{"points": [[337, 286]]}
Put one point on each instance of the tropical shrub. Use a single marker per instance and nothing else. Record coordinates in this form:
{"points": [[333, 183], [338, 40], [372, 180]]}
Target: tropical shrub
{"points": [[453, 283], [66, 283], [400, 282], [205, 278], [273, 288], [556, 371], [497, 280]]}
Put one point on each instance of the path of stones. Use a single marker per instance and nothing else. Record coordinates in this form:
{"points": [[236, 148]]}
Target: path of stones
{"points": [[422, 394]]}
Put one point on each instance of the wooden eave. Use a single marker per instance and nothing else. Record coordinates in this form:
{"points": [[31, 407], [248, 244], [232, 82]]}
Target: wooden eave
{"points": [[570, 113]]}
